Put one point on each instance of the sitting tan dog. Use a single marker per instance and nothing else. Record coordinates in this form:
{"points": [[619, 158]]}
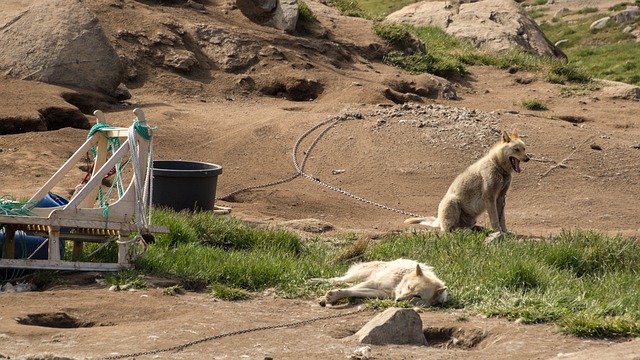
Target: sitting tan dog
{"points": [[482, 186]]}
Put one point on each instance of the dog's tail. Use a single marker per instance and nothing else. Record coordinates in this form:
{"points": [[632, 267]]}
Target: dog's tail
{"points": [[427, 221]]}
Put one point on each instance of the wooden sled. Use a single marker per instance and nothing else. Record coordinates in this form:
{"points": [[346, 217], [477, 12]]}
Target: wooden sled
{"points": [[81, 220]]}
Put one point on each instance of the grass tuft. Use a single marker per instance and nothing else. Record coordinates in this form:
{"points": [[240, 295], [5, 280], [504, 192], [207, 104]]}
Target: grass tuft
{"points": [[229, 293], [534, 104], [349, 8], [127, 278], [305, 13]]}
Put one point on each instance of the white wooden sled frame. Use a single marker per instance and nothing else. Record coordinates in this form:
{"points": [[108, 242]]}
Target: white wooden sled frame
{"points": [[86, 221]]}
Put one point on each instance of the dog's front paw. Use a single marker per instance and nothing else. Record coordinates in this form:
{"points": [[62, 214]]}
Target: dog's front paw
{"points": [[494, 236], [332, 296]]}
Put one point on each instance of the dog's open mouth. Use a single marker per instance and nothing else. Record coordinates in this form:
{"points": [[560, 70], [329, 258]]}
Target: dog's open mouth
{"points": [[515, 164]]}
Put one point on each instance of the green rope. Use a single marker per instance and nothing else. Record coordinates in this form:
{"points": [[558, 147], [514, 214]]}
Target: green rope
{"points": [[9, 206], [113, 145], [98, 128], [143, 129]]}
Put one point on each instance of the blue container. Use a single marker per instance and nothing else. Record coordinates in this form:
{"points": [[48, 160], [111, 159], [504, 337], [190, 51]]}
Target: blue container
{"points": [[25, 245], [52, 200]]}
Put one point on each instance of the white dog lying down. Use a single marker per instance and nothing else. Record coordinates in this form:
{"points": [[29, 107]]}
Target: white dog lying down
{"points": [[400, 279]]}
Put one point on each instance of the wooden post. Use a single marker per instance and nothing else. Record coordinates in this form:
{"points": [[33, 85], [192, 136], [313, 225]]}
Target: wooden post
{"points": [[78, 249], [123, 249], [102, 146], [54, 243], [9, 251]]}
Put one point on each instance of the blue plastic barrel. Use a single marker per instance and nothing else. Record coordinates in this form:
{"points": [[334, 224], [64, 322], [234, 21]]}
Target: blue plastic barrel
{"points": [[25, 245]]}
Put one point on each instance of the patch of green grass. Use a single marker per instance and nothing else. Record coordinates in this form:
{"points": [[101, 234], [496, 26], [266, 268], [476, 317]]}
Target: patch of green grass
{"points": [[349, 8], [525, 281], [393, 33], [382, 8], [608, 53], [127, 278], [620, 6], [568, 73], [174, 290], [535, 3], [305, 14], [617, 62], [583, 281], [580, 89], [229, 293], [93, 252], [222, 232], [534, 104], [384, 304], [425, 63], [537, 13], [445, 56], [354, 250], [223, 250], [587, 10], [589, 255]]}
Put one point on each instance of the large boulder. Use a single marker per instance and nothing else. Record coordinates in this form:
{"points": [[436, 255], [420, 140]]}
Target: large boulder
{"points": [[280, 14], [628, 14], [494, 25], [229, 51], [58, 42], [393, 326]]}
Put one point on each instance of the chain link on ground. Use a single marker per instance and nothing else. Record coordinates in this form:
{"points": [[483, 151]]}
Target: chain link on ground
{"points": [[238, 332], [331, 122]]}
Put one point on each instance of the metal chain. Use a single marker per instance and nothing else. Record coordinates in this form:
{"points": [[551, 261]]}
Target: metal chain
{"points": [[334, 119], [239, 332], [300, 167], [356, 197]]}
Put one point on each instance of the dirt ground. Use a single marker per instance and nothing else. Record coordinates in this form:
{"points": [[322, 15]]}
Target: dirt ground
{"points": [[583, 174]]}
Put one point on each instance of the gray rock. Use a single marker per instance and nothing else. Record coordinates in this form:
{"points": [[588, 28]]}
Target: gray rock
{"points": [[494, 25], [600, 23], [74, 52], [630, 13], [280, 14], [561, 12], [229, 51], [393, 326], [178, 59], [622, 91]]}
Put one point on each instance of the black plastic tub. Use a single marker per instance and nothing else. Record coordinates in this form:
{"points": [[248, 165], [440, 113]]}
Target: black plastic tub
{"points": [[185, 185]]}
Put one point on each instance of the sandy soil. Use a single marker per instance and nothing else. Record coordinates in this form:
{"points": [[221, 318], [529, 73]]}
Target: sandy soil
{"points": [[401, 157]]}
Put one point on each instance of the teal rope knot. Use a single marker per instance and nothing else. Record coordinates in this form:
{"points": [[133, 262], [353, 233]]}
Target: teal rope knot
{"points": [[98, 127], [143, 129]]}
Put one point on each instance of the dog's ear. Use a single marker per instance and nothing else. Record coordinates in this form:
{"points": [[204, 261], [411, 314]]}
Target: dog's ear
{"points": [[439, 291], [514, 135], [419, 270], [505, 137]]}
